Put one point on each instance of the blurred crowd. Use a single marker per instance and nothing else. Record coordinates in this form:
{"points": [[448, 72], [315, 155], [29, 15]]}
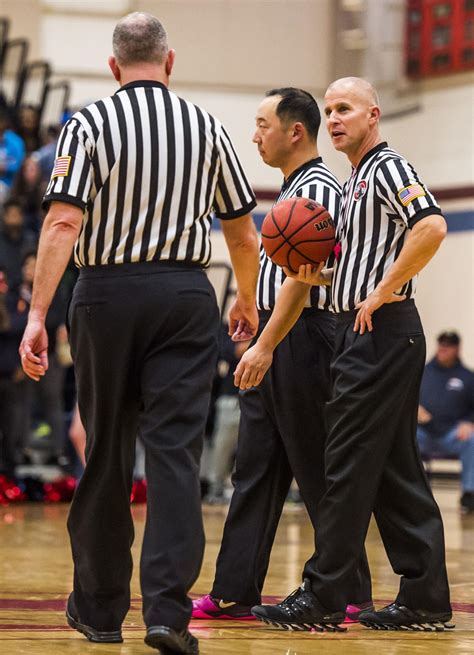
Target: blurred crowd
{"points": [[29, 411]]}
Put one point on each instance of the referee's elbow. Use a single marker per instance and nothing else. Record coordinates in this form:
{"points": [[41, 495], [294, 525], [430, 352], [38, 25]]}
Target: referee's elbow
{"points": [[440, 228], [433, 228]]}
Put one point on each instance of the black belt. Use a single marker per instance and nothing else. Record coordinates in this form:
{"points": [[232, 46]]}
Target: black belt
{"points": [[137, 268]]}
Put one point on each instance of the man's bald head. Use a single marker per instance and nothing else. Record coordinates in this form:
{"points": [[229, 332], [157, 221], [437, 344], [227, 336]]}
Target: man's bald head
{"points": [[357, 86], [139, 38]]}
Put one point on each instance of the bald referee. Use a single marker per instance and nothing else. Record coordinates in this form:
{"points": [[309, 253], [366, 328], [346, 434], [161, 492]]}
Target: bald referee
{"points": [[136, 178], [389, 228]]}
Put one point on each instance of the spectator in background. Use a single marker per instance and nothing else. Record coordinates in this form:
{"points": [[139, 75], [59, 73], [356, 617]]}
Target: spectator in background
{"points": [[50, 389], [47, 153], [15, 242], [446, 412], [28, 127], [12, 153], [12, 324], [227, 416], [28, 189]]}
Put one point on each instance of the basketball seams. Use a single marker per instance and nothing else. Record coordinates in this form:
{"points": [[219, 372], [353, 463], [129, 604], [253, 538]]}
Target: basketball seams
{"points": [[281, 231], [287, 233]]}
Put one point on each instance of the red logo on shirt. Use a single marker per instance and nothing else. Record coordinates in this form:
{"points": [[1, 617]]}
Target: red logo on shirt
{"points": [[360, 190]]}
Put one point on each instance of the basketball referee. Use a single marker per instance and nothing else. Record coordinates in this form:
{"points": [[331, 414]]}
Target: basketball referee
{"points": [[282, 430], [136, 178], [389, 228]]}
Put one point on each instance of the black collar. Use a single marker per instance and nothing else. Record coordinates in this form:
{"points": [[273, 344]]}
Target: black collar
{"points": [[369, 154], [147, 83], [303, 167]]}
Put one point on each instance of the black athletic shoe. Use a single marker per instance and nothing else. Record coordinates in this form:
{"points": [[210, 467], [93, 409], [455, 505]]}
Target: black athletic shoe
{"points": [[169, 641], [399, 617], [98, 636], [300, 611]]}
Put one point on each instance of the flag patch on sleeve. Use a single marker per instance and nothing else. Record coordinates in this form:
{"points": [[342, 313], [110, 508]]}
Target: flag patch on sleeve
{"points": [[409, 193], [61, 166]]}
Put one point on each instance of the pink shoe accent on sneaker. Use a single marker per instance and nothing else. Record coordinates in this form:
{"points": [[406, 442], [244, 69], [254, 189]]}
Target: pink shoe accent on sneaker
{"points": [[353, 611], [206, 608]]}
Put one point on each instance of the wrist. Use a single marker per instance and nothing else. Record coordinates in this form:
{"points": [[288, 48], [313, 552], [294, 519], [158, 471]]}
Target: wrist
{"points": [[36, 314], [246, 300]]}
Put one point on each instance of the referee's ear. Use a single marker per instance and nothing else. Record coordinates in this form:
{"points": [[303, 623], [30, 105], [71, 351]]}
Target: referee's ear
{"points": [[374, 114], [114, 67], [169, 63]]}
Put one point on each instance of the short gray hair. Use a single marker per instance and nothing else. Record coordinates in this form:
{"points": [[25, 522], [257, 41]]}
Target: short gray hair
{"points": [[138, 38]]}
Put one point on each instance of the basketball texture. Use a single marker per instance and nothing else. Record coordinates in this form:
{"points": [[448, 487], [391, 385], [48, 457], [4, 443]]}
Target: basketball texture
{"points": [[298, 231]]}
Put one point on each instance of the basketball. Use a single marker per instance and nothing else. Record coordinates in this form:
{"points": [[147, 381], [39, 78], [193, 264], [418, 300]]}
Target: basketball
{"points": [[298, 231]]}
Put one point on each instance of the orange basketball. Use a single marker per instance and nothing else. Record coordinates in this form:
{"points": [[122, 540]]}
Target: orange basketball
{"points": [[298, 231]]}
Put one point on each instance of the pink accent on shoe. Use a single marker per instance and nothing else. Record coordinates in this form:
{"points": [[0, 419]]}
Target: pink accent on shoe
{"points": [[353, 611], [206, 608]]}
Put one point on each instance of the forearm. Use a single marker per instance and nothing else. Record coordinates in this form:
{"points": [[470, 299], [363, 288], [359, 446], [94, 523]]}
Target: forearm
{"points": [[244, 254], [57, 240], [288, 307], [420, 246]]}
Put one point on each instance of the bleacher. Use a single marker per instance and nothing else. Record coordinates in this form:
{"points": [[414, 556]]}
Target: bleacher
{"points": [[24, 82]]}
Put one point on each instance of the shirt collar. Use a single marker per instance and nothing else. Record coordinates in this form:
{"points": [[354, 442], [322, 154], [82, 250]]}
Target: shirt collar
{"points": [[370, 153], [146, 83], [303, 167]]}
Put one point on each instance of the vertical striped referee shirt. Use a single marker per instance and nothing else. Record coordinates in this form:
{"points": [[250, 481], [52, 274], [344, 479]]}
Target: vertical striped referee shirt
{"points": [[147, 168], [311, 180], [381, 202]]}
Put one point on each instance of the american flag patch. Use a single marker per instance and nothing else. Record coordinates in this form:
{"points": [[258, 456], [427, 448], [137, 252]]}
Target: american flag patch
{"points": [[409, 193], [61, 166]]}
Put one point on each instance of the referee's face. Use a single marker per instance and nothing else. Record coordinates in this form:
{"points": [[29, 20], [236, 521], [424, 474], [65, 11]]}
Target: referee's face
{"points": [[349, 119], [273, 138]]}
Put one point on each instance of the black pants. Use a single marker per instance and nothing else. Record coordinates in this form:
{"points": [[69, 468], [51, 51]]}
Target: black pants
{"points": [[373, 464], [144, 343], [282, 434]]}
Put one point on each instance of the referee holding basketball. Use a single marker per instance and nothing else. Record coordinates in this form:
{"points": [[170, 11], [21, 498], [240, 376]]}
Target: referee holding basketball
{"points": [[136, 177], [282, 430], [390, 227]]}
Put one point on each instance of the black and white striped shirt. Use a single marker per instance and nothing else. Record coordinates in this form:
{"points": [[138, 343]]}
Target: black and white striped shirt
{"points": [[147, 168], [315, 181], [381, 201]]}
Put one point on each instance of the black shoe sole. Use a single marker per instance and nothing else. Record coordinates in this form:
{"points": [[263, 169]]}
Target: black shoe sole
{"points": [[317, 626], [430, 626], [168, 642], [96, 636]]}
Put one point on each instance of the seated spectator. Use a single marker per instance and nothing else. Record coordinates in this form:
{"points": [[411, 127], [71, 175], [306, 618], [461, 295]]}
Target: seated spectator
{"points": [[15, 242], [28, 127], [446, 412], [12, 153], [28, 189], [12, 324], [46, 155]]}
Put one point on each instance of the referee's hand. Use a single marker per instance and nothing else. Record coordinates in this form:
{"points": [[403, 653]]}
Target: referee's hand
{"points": [[34, 349], [366, 308], [252, 367], [243, 321]]}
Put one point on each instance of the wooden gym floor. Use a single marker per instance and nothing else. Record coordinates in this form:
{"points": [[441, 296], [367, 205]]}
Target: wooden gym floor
{"points": [[35, 575]]}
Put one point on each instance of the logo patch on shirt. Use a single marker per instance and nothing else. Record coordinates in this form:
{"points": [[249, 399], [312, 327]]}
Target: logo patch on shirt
{"points": [[61, 166], [360, 190], [410, 193], [454, 384]]}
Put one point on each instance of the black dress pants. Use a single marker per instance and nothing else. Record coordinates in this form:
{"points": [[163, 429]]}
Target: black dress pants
{"points": [[144, 343], [282, 435], [373, 463]]}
